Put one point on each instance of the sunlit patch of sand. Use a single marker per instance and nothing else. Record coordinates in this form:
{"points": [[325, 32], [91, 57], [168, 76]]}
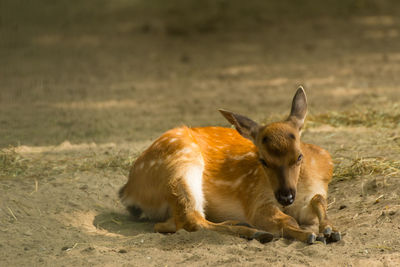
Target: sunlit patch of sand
{"points": [[64, 146], [328, 128], [320, 80], [376, 20], [58, 39], [380, 34], [345, 91], [237, 70], [271, 82], [97, 104]]}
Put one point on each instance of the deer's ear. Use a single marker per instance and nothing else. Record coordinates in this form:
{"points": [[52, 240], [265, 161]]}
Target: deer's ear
{"points": [[245, 126], [299, 108]]}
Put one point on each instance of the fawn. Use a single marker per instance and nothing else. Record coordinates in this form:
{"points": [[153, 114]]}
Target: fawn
{"points": [[256, 181]]}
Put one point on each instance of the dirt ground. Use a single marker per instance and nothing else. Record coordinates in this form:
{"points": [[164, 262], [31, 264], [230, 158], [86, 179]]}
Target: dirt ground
{"points": [[84, 88]]}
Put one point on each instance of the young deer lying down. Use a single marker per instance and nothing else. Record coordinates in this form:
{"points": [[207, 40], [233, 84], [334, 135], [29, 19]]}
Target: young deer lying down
{"points": [[255, 181]]}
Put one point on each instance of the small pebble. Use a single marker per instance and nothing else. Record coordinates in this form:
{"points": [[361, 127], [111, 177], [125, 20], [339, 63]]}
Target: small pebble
{"points": [[84, 187]]}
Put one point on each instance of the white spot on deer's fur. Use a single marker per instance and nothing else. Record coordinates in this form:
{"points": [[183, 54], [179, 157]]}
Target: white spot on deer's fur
{"points": [[239, 181], [250, 187], [193, 144], [151, 164], [331, 163], [312, 161], [141, 165], [193, 177], [186, 150], [172, 140], [221, 182], [240, 157]]}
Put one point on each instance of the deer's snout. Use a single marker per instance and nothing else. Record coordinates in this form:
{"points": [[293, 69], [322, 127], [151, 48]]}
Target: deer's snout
{"points": [[285, 196]]}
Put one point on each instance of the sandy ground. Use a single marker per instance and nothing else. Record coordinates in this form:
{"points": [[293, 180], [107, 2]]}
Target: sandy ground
{"points": [[84, 89]]}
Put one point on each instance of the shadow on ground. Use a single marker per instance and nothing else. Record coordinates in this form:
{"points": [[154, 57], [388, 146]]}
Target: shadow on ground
{"points": [[121, 224]]}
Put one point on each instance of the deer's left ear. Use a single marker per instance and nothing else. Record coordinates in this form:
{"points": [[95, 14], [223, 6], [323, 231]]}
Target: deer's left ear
{"points": [[245, 126], [299, 108]]}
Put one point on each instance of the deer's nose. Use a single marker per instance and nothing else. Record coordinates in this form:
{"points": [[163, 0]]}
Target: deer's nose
{"points": [[285, 197]]}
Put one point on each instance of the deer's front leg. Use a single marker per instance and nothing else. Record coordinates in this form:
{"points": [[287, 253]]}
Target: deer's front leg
{"points": [[318, 205], [271, 219]]}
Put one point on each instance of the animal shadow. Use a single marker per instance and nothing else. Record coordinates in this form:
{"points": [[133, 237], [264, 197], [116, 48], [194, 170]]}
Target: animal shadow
{"points": [[122, 224]]}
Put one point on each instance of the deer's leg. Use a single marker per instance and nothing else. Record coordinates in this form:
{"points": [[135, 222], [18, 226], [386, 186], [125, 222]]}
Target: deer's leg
{"points": [[319, 206], [188, 214], [270, 218], [166, 227]]}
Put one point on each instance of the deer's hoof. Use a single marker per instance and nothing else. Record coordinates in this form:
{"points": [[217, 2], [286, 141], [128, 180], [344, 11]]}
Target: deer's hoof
{"points": [[311, 238], [263, 237]]}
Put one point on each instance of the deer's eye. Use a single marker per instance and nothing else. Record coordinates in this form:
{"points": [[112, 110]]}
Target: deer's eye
{"points": [[299, 158], [263, 162]]}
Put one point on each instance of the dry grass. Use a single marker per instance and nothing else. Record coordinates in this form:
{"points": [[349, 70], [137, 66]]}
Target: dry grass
{"points": [[366, 166], [13, 164], [388, 117]]}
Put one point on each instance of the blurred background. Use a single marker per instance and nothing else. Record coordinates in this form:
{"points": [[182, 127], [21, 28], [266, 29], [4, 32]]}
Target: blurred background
{"points": [[127, 70]]}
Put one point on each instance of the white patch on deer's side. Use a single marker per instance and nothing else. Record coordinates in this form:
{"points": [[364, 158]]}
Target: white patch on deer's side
{"points": [[193, 144], [193, 176], [172, 140], [331, 163]]}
